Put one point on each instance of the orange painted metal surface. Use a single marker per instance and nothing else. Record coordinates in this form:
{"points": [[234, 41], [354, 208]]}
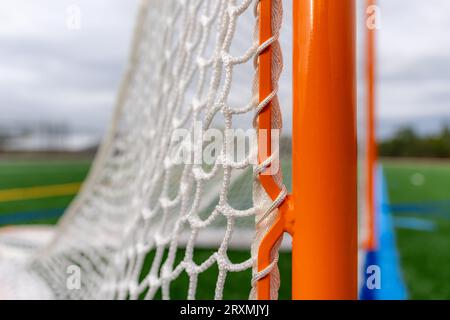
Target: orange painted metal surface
{"points": [[264, 139], [370, 242], [321, 212], [324, 254]]}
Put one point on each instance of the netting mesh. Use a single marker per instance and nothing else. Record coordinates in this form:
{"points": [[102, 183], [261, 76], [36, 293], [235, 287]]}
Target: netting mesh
{"points": [[136, 224]]}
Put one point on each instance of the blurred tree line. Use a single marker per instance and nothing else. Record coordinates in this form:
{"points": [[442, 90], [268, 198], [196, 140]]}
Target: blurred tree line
{"points": [[406, 142]]}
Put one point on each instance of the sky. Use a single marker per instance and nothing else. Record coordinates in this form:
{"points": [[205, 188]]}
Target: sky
{"points": [[414, 64], [51, 71]]}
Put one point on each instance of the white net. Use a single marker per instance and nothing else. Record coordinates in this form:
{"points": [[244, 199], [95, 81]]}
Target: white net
{"points": [[141, 216]]}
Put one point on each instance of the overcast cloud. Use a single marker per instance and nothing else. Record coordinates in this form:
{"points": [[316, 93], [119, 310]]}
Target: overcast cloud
{"points": [[51, 73]]}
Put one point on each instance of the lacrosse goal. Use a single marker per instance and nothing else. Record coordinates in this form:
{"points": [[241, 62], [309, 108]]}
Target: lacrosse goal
{"points": [[199, 70]]}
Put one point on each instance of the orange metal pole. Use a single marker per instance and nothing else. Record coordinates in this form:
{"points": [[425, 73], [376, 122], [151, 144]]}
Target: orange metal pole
{"points": [[324, 255], [265, 89], [264, 139], [321, 212], [370, 242]]}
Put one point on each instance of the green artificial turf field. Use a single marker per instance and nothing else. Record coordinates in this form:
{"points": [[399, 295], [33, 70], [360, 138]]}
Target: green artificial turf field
{"points": [[39, 173], [425, 255], [25, 174]]}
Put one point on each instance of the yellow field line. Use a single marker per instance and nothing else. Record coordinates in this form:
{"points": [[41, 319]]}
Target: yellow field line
{"points": [[39, 192]]}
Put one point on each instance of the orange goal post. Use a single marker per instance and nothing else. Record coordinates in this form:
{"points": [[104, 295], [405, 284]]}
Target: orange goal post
{"points": [[141, 217], [321, 212]]}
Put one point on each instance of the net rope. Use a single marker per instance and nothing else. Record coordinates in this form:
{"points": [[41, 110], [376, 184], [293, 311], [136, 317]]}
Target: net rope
{"points": [[133, 228]]}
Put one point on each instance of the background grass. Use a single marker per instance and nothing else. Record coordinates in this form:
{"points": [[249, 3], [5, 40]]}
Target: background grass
{"points": [[23, 174], [425, 256]]}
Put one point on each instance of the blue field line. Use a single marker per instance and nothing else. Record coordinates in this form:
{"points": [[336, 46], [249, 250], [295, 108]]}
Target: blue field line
{"points": [[386, 256], [413, 223], [29, 216], [392, 284], [441, 206]]}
